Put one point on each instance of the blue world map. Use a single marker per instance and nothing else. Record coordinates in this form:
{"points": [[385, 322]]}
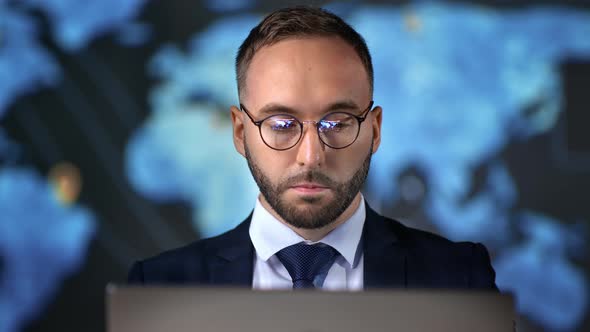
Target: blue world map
{"points": [[43, 238]]}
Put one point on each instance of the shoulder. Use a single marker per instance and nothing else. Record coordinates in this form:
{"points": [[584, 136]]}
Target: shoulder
{"points": [[186, 264], [435, 261], [415, 239], [427, 242]]}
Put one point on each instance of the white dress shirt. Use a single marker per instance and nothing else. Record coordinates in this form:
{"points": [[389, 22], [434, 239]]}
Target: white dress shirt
{"points": [[269, 236]]}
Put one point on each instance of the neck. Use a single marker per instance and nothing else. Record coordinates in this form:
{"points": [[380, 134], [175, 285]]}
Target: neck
{"points": [[317, 234]]}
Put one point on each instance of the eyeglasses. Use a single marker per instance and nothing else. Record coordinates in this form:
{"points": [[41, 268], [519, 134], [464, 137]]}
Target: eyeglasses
{"points": [[337, 130]]}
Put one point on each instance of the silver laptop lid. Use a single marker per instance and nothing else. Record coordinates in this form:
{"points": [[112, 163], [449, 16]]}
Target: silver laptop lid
{"points": [[184, 309]]}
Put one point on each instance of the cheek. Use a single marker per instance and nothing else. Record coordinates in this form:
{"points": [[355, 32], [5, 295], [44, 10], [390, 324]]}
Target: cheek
{"points": [[258, 150], [273, 167], [272, 163], [366, 134], [351, 158], [346, 162]]}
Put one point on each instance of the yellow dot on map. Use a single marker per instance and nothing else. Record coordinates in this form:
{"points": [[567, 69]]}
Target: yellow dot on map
{"points": [[66, 181], [412, 22]]}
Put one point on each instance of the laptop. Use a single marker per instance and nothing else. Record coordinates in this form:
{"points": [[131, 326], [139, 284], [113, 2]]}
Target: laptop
{"points": [[184, 309]]}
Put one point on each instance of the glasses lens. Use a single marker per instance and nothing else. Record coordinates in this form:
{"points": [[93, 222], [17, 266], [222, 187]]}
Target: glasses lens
{"points": [[280, 131], [338, 129]]}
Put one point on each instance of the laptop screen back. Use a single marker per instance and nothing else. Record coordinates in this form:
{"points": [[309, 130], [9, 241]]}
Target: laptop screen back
{"points": [[183, 309]]}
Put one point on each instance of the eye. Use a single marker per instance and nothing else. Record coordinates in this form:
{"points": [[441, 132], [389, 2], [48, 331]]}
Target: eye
{"points": [[282, 124], [333, 125]]}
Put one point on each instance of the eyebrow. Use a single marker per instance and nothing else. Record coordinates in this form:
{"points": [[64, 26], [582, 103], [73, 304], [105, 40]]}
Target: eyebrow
{"points": [[275, 108]]}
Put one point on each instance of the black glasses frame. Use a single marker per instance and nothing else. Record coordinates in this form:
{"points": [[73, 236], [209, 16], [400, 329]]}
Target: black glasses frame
{"points": [[360, 118]]}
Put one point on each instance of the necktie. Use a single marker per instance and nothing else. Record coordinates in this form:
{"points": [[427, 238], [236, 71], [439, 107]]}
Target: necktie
{"points": [[304, 262]]}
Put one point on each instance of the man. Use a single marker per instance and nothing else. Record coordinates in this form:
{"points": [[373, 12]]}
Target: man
{"points": [[307, 128]]}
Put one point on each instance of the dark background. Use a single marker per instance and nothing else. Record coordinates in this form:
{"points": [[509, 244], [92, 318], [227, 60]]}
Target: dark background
{"points": [[122, 236]]}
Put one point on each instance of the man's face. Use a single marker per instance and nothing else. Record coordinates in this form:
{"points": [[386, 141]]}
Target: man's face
{"points": [[309, 185]]}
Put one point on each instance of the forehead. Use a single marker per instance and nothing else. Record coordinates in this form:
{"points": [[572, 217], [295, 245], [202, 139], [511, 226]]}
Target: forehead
{"points": [[306, 74]]}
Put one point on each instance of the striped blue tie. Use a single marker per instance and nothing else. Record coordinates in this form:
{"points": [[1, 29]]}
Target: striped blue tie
{"points": [[304, 262]]}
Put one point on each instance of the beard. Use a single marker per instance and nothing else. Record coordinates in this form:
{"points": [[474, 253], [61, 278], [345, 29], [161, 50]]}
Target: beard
{"points": [[315, 215]]}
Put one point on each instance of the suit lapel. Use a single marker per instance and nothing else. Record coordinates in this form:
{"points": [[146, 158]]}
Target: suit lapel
{"points": [[233, 262], [384, 255]]}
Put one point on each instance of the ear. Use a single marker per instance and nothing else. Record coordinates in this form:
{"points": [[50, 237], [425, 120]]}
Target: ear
{"points": [[376, 115], [237, 121]]}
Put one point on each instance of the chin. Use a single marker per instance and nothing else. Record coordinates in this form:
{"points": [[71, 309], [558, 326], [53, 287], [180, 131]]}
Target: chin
{"points": [[308, 224], [315, 200]]}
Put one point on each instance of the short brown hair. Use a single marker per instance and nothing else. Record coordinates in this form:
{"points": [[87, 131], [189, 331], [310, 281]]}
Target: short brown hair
{"points": [[301, 21]]}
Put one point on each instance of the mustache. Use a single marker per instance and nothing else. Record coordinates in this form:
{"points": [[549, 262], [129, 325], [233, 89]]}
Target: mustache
{"points": [[308, 176]]}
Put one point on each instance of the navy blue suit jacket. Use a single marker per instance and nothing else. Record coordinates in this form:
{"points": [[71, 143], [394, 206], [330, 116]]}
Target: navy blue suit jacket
{"points": [[395, 256]]}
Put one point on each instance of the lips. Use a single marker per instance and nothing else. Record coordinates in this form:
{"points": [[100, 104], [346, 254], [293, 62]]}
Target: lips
{"points": [[308, 187]]}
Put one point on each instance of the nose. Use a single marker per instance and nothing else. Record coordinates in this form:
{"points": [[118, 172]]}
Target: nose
{"points": [[310, 150]]}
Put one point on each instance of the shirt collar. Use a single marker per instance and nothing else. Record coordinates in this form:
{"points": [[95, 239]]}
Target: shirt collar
{"points": [[269, 235]]}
